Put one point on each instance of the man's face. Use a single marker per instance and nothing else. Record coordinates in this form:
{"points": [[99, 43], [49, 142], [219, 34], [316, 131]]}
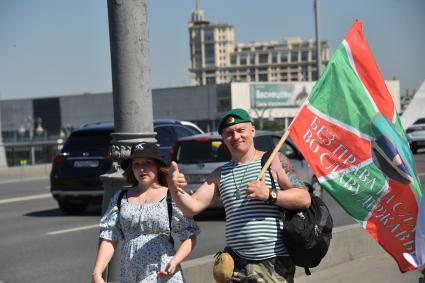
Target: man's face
{"points": [[239, 137]]}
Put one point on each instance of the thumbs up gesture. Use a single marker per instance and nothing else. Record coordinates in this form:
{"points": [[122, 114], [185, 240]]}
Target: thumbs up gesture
{"points": [[178, 180]]}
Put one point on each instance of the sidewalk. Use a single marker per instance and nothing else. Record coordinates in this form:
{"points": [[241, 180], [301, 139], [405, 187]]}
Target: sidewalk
{"points": [[352, 257], [369, 269]]}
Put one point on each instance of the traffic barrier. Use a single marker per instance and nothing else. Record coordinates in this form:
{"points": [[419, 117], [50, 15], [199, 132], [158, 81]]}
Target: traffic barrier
{"points": [[25, 172]]}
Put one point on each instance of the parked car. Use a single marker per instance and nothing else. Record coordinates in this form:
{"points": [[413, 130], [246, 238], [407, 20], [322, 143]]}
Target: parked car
{"points": [[416, 135], [74, 178], [197, 156], [187, 124]]}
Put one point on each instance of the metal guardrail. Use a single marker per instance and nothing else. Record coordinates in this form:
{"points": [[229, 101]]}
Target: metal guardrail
{"points": [[31, 152]]}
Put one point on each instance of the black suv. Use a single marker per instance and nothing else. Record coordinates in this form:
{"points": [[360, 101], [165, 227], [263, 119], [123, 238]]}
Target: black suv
{"points": [[74, 179]]}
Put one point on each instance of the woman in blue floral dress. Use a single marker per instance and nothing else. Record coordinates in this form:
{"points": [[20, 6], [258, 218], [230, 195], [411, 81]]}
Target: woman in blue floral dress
{"points": [[141, 222]]}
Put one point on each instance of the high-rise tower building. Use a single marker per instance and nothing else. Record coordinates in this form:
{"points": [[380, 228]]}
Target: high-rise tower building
{"points": [[216, 58]]}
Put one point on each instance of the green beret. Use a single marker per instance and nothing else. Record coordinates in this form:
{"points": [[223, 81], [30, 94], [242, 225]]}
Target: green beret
{"points": [[234, 116]]}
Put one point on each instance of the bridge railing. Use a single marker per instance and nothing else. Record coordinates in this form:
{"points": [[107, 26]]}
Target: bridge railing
{"points": [[25, 153]]}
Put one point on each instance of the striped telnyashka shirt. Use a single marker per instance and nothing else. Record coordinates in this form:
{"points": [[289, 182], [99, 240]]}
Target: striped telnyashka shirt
{"points": [[253, 227]]}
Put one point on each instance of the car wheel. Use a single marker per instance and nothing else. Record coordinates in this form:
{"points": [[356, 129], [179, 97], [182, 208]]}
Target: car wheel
{"points": [[317, 189], [72, 208]]}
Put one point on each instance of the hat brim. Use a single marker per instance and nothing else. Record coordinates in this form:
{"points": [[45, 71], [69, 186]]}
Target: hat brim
{"points": [[220, 131], [233, 117], [126, 162]]}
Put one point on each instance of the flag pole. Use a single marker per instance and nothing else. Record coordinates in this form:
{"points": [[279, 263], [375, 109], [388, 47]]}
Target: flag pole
{"points": [[280, 143], [275, 150]]}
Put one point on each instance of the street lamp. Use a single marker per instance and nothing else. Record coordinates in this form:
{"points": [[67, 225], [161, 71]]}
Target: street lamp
{"points": [[39, 129], [260, 117], [316, 25], [34, 127], [21, 131]]}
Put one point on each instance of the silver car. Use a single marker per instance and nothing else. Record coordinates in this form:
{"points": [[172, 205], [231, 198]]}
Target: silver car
{"points": [[197, 156], [416, 135]]}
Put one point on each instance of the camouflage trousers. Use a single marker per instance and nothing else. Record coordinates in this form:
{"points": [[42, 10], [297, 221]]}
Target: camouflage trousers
{"points": [[272, 270]]}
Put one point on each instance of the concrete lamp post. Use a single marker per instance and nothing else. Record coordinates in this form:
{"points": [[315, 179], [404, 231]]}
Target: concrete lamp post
{"points": [[132, 94]]}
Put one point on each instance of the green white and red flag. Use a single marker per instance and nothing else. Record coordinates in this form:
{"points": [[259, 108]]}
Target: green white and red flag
{"points": [[351, 135]]}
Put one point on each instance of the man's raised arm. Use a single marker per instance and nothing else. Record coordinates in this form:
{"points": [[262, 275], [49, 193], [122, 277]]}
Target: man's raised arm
{"points": [[193, 204]]}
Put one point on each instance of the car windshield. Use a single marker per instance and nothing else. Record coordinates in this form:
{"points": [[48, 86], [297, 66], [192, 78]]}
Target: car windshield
{"points": [[199, 150], [193, 130], [88, 141]]}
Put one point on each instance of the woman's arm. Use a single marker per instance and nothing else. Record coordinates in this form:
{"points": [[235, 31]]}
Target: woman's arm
{"points": [[184, 250], [104, 255]]}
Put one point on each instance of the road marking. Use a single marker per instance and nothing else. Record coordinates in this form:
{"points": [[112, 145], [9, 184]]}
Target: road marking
{"points": [[421, 174], [23, 180], [10, 200], [73, 229]]}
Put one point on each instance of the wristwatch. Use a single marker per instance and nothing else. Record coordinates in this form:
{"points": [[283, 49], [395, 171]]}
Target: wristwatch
{"points": [[272, 196]]}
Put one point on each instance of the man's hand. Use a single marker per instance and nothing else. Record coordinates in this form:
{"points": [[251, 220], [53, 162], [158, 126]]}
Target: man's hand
{"points": [[178, 180], [258, 190]]}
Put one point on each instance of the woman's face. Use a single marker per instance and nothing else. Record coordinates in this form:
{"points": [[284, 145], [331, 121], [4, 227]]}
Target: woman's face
{"points": [[145, 170]]}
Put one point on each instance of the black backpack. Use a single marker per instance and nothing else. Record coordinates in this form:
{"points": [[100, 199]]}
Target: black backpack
{"points": [[169, 207], [306, 232]]}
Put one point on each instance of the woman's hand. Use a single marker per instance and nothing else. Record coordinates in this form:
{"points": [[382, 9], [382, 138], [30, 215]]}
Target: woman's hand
{"points": [[97, 278], [169, 270], [178, 180]]}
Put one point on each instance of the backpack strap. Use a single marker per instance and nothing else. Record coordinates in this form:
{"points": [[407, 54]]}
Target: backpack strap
{"points": [[120, 196], [264, 158], [170, 213], [307, 271]]}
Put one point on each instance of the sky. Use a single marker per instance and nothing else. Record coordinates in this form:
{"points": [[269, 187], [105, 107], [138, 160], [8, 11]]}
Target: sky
{"points": [[61, 47]]}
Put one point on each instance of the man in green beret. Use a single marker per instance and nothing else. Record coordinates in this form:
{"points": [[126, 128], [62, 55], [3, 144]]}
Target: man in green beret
{"points": [[253, 220]]}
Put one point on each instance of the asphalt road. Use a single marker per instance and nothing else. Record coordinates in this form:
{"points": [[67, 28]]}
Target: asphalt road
{"points": [[41, 244], [29, 250]]}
